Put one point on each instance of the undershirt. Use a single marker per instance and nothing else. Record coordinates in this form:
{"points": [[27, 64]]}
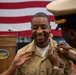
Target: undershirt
{"points": [[42, 50]]}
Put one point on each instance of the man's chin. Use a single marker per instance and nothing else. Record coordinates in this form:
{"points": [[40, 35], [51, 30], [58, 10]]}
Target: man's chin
{"points": [[39, 41]]}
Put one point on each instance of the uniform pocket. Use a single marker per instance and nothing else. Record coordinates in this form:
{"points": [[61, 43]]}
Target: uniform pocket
{"points": [[30, 71]]}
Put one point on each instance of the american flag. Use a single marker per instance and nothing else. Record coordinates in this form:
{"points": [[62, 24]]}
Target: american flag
{"points": [[16, 15]]}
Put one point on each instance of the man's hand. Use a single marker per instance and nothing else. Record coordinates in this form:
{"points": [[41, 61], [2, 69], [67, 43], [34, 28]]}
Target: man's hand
{"points": [[63, 48], [21, 58], [53, 57], [67, 51], [18, 60]]}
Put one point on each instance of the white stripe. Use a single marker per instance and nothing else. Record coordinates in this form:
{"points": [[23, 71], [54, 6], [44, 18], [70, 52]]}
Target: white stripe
{"points": [[53, 25], [15, 27], [11, 1], [22, 12], [20, 26]]}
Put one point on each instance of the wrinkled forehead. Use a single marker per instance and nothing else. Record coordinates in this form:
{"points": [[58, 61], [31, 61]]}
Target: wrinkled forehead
{"points": [[40, 20]]}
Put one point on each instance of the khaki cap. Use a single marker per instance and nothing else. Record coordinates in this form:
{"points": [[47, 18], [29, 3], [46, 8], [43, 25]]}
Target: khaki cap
{"points": [[62, 7], [64, 11]]}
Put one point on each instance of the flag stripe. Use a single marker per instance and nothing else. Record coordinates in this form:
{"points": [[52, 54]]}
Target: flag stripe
{"points": [[21, 26], [22, 12], [13, 1], [19, 19], [20, 5], [28, 33]]}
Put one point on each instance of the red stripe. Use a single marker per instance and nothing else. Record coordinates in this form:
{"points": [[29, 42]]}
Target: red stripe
{"points": [[20, 19], [56, 32], [27, 33], [75, 66], [20, 5], [8, 33]]}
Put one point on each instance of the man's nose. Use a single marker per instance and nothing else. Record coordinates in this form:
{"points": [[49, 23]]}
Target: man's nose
{"points": [[39, 30]]}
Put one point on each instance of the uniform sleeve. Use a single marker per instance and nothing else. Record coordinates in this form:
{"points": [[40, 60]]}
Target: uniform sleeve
{"points": [[53, 43], [69, 68]]}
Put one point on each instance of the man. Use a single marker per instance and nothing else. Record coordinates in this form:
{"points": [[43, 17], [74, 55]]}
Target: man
{"points": [[65, 15], [36, 61]]}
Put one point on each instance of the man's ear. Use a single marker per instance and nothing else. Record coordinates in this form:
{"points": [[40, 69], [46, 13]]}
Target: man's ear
{"points": [[50, 27], [72, 34]]}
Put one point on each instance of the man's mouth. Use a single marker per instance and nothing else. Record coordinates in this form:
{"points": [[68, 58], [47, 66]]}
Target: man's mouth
{"points": [[40, 37]]}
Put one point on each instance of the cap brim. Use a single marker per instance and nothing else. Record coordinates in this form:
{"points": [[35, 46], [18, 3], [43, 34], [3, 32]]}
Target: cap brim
{"points": [[62, 7]]}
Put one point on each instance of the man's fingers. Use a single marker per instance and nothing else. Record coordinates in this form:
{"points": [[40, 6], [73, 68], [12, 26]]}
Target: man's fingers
{"points": [[61, 44], [25, 54], [28, 54], [51, 51]]}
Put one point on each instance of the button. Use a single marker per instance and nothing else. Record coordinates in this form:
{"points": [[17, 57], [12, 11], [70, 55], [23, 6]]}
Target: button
{"points": [[42, 70], [61, 65]]}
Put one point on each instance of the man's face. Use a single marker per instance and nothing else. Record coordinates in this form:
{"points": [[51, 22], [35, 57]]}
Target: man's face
{"points": [[67, 36], [40, 29]]}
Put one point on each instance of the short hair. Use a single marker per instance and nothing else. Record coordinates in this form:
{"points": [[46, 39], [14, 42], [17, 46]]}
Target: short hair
{"points": [[41, 14]]}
